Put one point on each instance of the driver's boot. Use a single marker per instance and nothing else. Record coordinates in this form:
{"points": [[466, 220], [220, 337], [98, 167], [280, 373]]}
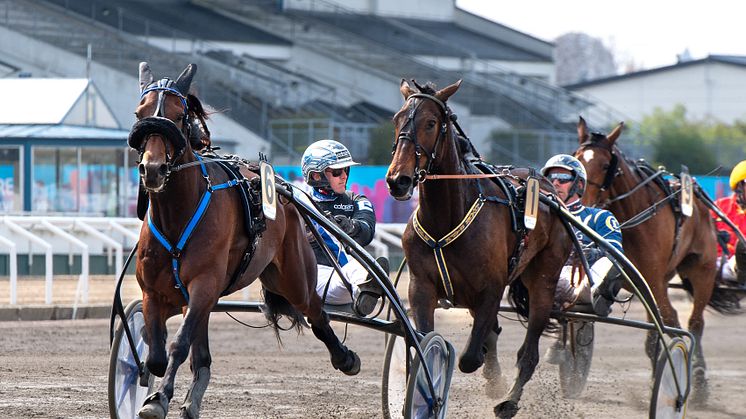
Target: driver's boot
{"points": [[369, 292], [603, 296]]}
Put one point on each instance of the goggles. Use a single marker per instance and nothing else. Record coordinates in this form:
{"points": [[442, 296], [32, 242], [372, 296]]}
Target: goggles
{"points": [[562, 178]]}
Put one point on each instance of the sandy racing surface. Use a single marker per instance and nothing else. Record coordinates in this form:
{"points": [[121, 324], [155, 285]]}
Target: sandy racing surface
{"points": [[59, 369]]}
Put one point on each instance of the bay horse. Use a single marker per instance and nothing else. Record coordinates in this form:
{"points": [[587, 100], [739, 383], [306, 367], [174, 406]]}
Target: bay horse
{"points": [[195, 246], [659, 241], [481, 252]]}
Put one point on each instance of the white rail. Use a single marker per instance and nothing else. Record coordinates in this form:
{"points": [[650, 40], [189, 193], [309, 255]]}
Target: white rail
{"points": [[89, 236]]}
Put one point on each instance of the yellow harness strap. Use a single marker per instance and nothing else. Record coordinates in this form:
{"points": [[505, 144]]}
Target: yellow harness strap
{"points": [[438, 245]]}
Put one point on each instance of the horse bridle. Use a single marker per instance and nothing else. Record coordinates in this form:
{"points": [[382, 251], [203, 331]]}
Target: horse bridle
{"points": [[611, 172], [165, 87], [420, 175]]}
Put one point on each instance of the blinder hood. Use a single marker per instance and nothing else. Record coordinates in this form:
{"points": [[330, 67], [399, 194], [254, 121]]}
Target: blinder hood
{"points": [[161, 126]]}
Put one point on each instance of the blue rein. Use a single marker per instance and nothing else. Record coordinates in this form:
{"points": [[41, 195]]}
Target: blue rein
{"points": [[204, 202]]}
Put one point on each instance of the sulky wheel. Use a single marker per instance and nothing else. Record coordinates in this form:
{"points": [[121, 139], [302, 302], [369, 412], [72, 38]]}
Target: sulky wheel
{"points": [[439, 356], [669, 400], [574, 368], [127, 390], [394, 380]]}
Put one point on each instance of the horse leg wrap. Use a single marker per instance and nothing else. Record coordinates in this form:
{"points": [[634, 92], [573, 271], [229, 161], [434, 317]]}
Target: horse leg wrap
{"points": [[155, 407], [193, 399]]}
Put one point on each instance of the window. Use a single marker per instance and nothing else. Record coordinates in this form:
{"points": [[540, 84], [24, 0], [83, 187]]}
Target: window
{"points": [[10, 179], [55, 174]]}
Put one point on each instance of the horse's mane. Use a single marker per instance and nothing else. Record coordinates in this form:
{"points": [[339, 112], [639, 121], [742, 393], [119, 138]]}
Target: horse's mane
{"points": [[199, 137]]}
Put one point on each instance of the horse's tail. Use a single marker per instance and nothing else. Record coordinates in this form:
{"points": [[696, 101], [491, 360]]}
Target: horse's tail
{"points": [[518, 297], [275, 306], [723, 300]]}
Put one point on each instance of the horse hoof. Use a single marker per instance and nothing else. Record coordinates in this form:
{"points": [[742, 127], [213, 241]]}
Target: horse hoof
{"points": [[468, 365], [152, 411], [506, 409], [352, 364], [188, 413], [154, 408]]}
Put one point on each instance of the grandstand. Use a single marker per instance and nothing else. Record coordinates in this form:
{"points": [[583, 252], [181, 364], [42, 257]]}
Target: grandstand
{"points": [[290, 72]]}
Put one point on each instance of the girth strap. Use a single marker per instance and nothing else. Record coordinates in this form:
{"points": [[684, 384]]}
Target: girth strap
{"points": [[438, 245]]}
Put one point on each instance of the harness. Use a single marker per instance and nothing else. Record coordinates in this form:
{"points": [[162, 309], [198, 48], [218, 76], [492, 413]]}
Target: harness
{"points": [[488, 171], [177, 249]]}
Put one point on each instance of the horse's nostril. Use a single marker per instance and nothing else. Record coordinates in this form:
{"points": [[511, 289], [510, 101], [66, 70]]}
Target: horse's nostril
{"points": [[162, 169], [141, 169], [404, 181]]}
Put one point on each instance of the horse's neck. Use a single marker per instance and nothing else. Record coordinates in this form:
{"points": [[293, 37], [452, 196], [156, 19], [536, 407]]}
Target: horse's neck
{"points": [[632, 205], [444, 203], [172, 208]]}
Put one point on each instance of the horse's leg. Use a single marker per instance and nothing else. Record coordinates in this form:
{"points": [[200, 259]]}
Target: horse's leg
{"points": [[156, 405], [302, 295], [200, 366], [155, 335], [702, 288], [542, 297], [495, 386], [485, 316]]}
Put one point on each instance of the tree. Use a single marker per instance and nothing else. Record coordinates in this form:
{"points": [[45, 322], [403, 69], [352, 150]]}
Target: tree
{"points": [[579, 57], [381, 140], [679, 141]]}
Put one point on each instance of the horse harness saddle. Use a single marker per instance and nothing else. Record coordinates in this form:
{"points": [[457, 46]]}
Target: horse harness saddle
{"points": [[514, 190], [645, 170]]}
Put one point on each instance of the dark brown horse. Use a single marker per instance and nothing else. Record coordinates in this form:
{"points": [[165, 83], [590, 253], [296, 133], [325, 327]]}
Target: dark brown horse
{"points": [[195, 240], [478, 265], [660, 246]]}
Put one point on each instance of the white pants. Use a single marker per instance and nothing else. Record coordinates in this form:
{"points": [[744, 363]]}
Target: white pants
{"points": [[571, 288], [338, 293], [729, 269]]}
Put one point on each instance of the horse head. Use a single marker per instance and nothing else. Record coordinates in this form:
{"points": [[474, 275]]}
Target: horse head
{"points": [[600, 158], [419, 126], [170, 123]]}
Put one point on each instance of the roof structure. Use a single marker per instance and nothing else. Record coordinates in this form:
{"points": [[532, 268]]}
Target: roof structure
{"points": [[54, 101], [724, 59]]}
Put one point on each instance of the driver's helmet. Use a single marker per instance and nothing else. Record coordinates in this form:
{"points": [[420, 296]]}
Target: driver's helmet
{"points": [[568, 162], [322, 155], [738, 174]]}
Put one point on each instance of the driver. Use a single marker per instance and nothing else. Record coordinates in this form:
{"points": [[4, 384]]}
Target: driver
{"points": [[732, 261], [326, 167], [568, 177]]}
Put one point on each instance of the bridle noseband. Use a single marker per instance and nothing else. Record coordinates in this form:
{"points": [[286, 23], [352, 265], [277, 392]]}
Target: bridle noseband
{"points": [[420, 175]]}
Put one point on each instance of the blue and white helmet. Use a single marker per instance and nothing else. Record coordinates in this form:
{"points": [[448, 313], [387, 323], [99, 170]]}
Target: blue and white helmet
{"points": [[322, 155], [568, 162]]}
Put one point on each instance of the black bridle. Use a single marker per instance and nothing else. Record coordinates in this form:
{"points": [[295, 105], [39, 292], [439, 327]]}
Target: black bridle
{"points": [[420, 175], [611, 172]]}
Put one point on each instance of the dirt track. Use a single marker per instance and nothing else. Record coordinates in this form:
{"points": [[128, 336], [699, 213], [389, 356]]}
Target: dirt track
{"points": [[59, 369]]}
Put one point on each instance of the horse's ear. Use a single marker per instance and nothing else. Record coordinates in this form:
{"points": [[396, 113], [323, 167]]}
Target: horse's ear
{"points": [[446, 92], [582, 130], [185, 79], [146, 76], [612, 137], [405, 89]]}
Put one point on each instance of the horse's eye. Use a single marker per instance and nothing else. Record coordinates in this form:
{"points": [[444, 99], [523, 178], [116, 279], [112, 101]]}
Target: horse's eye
{"points": [[430, 123], [606, 166]]}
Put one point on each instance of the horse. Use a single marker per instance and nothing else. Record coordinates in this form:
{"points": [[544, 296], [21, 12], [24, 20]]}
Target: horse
{"points": [[482, 250], [658, 240], [195, 246]]}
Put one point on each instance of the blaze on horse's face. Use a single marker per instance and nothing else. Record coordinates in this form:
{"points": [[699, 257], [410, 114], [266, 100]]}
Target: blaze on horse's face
{"points": [[596, 153], [159, 133], [417, 127]]}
